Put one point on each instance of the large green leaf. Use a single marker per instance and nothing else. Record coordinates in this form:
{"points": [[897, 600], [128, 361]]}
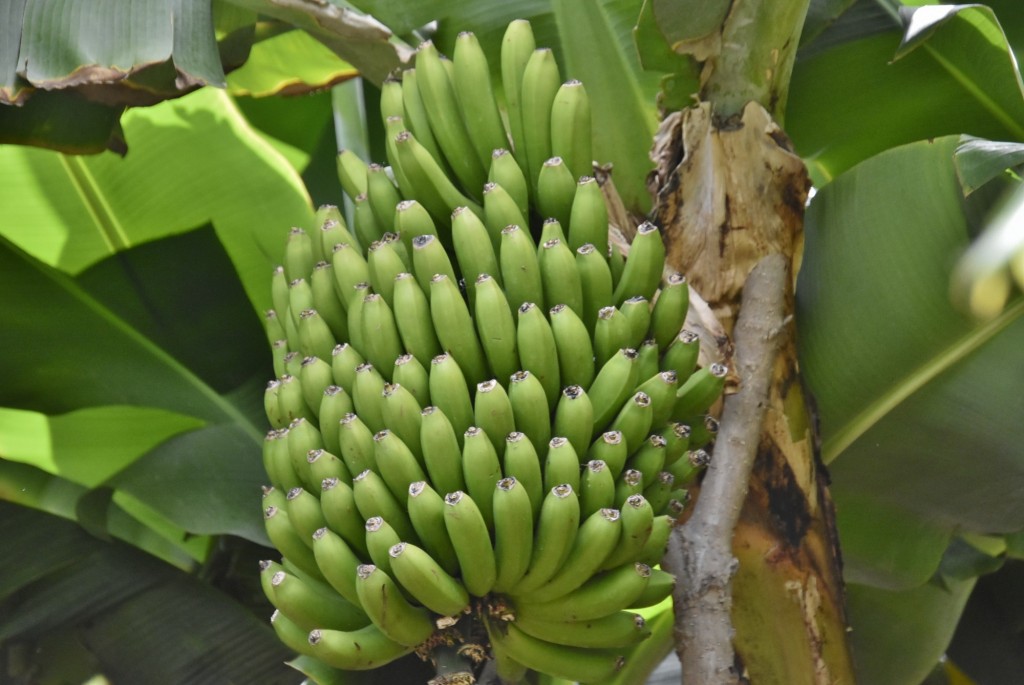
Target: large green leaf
{"points": [[193, 161], [291, 63], [853, 100], [917, 411], [989, 640]]}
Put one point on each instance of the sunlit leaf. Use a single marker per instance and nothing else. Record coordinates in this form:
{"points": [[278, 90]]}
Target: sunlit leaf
{"points": [[289, 63]]}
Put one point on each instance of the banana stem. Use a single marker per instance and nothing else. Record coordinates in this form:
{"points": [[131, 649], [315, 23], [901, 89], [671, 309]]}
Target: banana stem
{"points": [[700, 551], [452, 667]]}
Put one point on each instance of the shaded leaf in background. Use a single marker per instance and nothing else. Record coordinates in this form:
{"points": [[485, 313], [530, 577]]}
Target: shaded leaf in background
{"points": [[989, 640], [919, 407], [127, 609], [194, 160], [853, 101]]}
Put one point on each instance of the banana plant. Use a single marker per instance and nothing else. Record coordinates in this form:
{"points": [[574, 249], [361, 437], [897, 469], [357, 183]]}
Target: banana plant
{"points": [[906, 304]]}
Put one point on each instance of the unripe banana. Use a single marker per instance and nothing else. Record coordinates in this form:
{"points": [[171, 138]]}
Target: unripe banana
{"points": [[389, 610], [472, 81], [309, 604], [279, 348], [601, 595], [637, 522], [416, 115], [350, 269], [440, 101], [556, 188], [521, 461], [643, 269], [617, 630], [575, 350], [513, 533], [385, 264], [539, 86], [571, 663], [596, 278], [559, 276], [520, 268], [630, 482], [677, 441], [556, 529], [412, 375], [355, 314], [333, 232], [481, 469], [368, 229], [681, 355], [374, 499], [658, 589], [300, 297], [703, 430], [611, 334], [304, 514], [291, 401], [492, 411], [356, 441], [271, 405], [398, 465], [496, 327], [506, 172], [654, 548], [450, 392], [279, 291], [473, 248], [366, 396], [530, 408], [277, 462], [616, 263], [455, 329], [588, 218], [351, 173], [303, 437], [561, 465], [686, 469], [597, 488], [378, 324], [411, 221], [595, 540], [356, 650], [424, 579], [648, 359], [380, 537], [323, 464], [574, 418], [287, 541], [610, 447], [634, 421], [391, 104], [551, 229], [537, 351], [661, 388], [412, 317], [472, 542], [571, 128], [395, 126], [637, 310], [315, 337], [338, 562], [402, 416], [441, 450], [699, 391], [338, 503], [427, 180], [298, 255], [426, 511], [612, 386], [650, 458], [429, 259], [326, 300], [500, 210], [670, 310], [659, 492], [517, 46], [382, 195]]}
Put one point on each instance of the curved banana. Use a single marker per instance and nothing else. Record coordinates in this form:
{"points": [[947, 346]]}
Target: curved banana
{"points": [[472, 542], [659, 492], [356, 650], [610, 448], [571, 128], [277, 462], [537, 351], [429, 259], [530, 408], [617, 630], [455, 328], [516, 47], [378, 324], [561, 464], [383, 602], [574, 418], [450, 392], [699, 391], [588, 218], [334, 232], [613, 385], [513, 532], [540, 83], [374, 499], [426, 511], [338, 503], [337, 562], [366, 396], [474, 250], [412, 317], [287, 541], [500, 210], [427, 180], [634, 421], [596, 538], [304, 514], [350, 269], [596, 279], [380, 536], [428, 583], [681, 355], [630, 482], [412, 375], [521, 461], [398, 465], [670, 309], [558, 274], [481, 469], [472, 81], [496, 327], [637, 523], [441, 449], [416, 115], [315, 337], [597, 488], [310, 604], [575, 350], [555, 530], [572, 663], [385, 263], [382, 195], [637, 310], [326, 300], [506, 172], [604, 594], [644, 267], [368, 229], [520, 268], [611, 334], [648, 359], [402, 415], [492, 411], [411, 221], [661, 389], [356, 441], [351, 173], [556, 189]]}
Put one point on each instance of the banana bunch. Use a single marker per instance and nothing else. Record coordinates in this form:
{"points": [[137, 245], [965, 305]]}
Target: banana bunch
{"points": [[484, 416]]}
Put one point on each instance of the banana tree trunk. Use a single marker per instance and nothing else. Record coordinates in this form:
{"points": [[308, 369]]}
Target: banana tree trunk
{"points": [[760, 595]]}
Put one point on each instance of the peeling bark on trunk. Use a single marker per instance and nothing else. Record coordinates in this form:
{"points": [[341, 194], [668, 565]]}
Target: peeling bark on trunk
{"points": [[728, 194]]}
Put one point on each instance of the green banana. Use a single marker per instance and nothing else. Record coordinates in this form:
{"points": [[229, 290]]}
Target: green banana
{"points": [[571, 128], [283, 536], [391, 104], [429, 259], [611, 449], [513, 533], [561, 465], [476, 100], [290, 634], [384, 604], [574, 418], [338, 503], [338, 562], [474, 250], [597, 488], [558, 274], [506, 172], [616, 630], [303, 437], [291, 401], [658, 589], [537, 351], [360, 291], [556, 189], [481, 469], [520, 267], [700, 391], [637, 522], [588, 218], [411, 221], [661, 388], [427, 180], [382, 195], [637, 310], [385, 264], [374, 499], [472, 542], [642, 272], [310, 604], [380, 536], [654, 548], [681, 356], [555, 530], [659, 492], [271, 405], [416, 115], [368, 229], [333, 231], [612, 386], [411, 375], [298, 255], [686, 470], [366, 396], [450, 392], [279, 348], [517, 46], [703, 430], [574, 347], [601, 595], [356, 442], [539, 85], [441, 450], [455, 329], [596, 279], [530, 408], [649, 459], [521, 461], [677, 441], [571, 663], [670, 309], [398, 465], [351, 173], [378, 324], [630, 482], [634, 421], [428, 583], [277, 462], [492, 411], [500, 210], [426, 511], [496, 327], [596, 538], [611, 334], [326, 300], [304, 513], [551, 229], [350, 269], [402, 413], [648, 358], [315, 337], [357, 650], [412, 317]]}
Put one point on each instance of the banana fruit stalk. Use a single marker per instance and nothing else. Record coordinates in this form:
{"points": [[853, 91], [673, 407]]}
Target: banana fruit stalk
{"points": [[484, 413]]}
